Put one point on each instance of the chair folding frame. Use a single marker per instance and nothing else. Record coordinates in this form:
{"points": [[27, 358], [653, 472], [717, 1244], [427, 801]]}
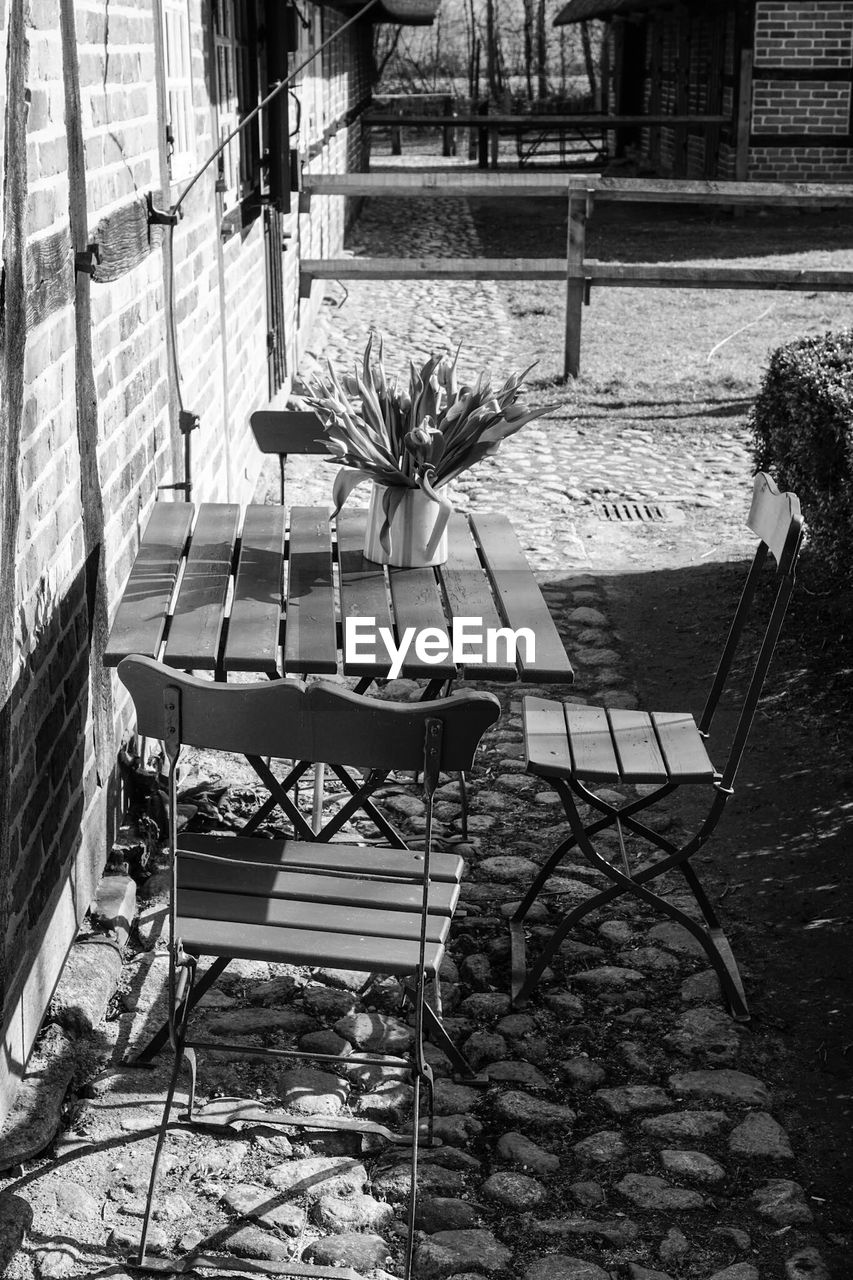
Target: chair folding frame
{"points": [[359, 801], [574, 747], [306, 901]]}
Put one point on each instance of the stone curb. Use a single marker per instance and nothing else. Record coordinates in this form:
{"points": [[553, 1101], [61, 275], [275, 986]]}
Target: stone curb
{"points": [[88, 982]]}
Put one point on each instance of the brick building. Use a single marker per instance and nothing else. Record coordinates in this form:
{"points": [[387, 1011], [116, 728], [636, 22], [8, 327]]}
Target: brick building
{"points": [[110, 105], [779, 71]]}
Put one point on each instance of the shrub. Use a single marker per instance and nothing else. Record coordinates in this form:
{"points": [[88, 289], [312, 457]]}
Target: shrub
{"points": [[802, 421]]}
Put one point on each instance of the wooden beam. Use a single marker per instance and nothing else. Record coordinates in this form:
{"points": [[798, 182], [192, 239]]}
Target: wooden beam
{"points": [[434, 268], [92, 507], [49, 276], [635, 274], [124, 239], [682, 91], [575, 286], [669, 276], [744, 116], [416, 183], [384, 121]]}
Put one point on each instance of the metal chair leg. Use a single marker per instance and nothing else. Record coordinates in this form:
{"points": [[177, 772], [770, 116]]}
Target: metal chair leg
{"points": [[181, 992], [161, 1036], [709, 935], [463, 799], [192, 1063], [317, 800], [413, 1190], [158, 1150], [436, 995]]}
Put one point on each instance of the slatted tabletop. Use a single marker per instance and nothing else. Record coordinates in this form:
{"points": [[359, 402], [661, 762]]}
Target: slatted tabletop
{"points": [[224, 589]]}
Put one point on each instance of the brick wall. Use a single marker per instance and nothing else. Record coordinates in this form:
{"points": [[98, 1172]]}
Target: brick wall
{"points": [[801, 106], [801, 164], [803, 33], [96, 418], [802, 90]]}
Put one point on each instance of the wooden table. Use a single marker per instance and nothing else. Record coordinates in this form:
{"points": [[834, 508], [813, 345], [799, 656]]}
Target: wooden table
{"points": [[224, 589]]}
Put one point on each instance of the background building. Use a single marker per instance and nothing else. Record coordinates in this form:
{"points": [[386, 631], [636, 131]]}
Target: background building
{"points": [[780, 70]]}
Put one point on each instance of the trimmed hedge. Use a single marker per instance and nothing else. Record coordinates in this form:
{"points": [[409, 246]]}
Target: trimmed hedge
{"points": [[802, 421]]}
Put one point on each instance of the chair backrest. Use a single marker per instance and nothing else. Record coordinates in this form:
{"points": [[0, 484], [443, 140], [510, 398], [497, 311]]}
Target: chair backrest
{"points": [[775, 518], [285, 431], [288, 719]]}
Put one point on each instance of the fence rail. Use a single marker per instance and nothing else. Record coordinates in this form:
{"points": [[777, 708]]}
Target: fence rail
{"points": [[490, 127], [415, 184], [651, 275], [580, 273]]}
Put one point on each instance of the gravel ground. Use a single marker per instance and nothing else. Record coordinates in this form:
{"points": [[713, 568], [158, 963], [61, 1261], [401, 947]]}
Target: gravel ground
{"points": [[622, 1129]]}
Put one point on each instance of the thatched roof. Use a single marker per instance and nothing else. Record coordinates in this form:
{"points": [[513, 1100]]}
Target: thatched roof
{"points": [[407, 13], [578, 10]]}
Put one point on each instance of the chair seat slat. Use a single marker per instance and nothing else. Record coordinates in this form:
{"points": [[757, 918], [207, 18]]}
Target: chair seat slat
{"points": [[310, 634], [141, 617], [417, 603], [304, 946], [683, 747], [364, 592], [322, 917], [469, 595], [637, 749], [193, 642], [393, 863], [521, 601], [545, 737], [255, 623], [263, 882], [591, 743]]}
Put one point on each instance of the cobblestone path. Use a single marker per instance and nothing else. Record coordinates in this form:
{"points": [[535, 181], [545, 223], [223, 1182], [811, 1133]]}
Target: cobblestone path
{"points": [[621, 1133]]}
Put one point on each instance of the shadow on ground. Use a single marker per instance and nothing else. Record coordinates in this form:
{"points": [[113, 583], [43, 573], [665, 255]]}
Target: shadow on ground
{"points": [[778, 864]]}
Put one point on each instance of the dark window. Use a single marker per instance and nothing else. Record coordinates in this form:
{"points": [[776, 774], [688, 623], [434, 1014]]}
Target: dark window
{"points": [[234, 46]]}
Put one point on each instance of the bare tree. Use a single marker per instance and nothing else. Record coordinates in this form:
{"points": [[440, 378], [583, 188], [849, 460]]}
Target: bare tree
{"points": [[529, 20], [541, 52], [386, 40], [587, 56], [512, 42]]}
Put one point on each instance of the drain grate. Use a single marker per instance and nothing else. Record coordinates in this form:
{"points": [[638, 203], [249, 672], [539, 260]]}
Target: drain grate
{"points": [[631, 512]]}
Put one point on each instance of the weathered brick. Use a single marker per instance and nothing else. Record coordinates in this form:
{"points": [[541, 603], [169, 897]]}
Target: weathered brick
{"points": [[38, 116], [48, 734], [69, 836]]}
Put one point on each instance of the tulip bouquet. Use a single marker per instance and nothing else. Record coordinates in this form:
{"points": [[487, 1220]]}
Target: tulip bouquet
{"points": [[419, 437]]}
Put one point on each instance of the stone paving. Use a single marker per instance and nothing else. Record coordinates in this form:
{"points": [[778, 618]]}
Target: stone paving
{"points": [[620, 1132]]}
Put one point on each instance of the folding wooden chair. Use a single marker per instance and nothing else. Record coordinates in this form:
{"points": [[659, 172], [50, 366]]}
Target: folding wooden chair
{"points": [[305, 901], [575, 747], [285, 431]]}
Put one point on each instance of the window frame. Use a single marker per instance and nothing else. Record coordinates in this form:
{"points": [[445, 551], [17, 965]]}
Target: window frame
{"points": [[178, 84], [234, 43]]}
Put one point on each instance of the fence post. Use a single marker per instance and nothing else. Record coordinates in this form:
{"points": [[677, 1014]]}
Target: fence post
{"points": [[580, 206], [396, 135], [483, 138], [494, 146], [449, 132]]}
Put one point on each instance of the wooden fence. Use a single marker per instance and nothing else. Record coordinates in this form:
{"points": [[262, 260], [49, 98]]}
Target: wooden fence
{"points": [[580, 273], [592, 129]]}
